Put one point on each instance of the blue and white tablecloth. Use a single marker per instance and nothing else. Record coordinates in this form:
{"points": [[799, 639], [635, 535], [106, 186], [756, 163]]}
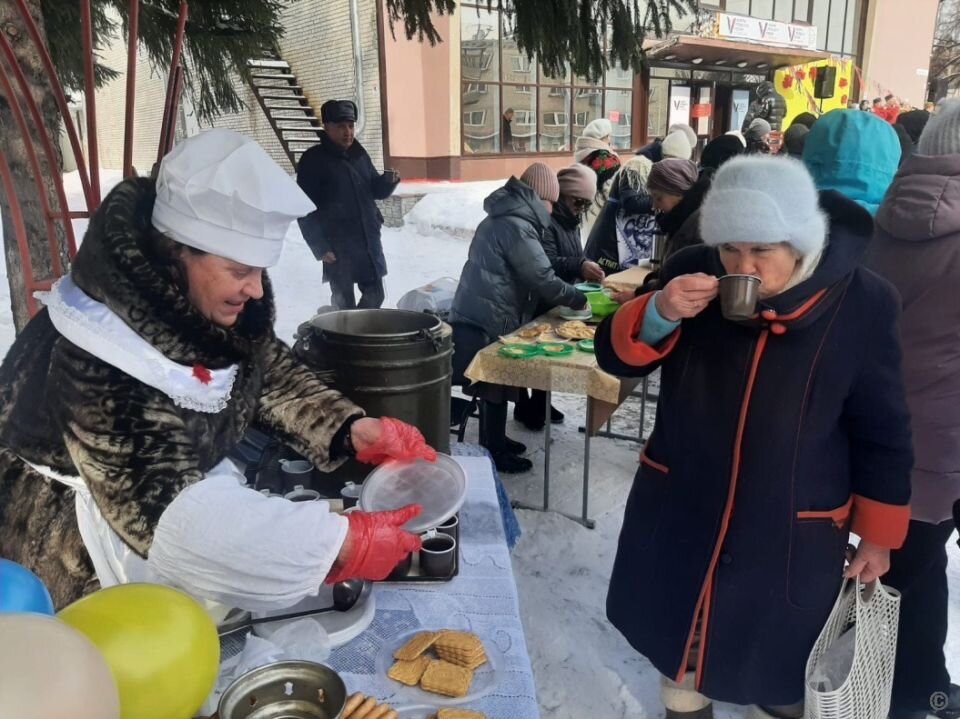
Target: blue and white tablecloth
{"points": [[481, 599]]}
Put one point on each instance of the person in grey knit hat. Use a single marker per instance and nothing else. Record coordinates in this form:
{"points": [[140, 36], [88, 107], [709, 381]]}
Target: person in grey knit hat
{"points": [[778, 434], [941, 135]]}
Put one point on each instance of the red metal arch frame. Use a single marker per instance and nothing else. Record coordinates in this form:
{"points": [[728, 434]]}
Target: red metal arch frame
{"points": [[34, 132]]}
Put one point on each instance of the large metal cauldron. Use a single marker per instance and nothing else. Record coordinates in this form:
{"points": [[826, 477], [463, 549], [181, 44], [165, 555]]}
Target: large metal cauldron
{"points": [[390, 362]]}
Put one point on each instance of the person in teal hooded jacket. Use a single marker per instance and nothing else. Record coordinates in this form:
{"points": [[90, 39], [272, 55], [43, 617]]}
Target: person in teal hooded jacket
{"points": [[855, 153]]}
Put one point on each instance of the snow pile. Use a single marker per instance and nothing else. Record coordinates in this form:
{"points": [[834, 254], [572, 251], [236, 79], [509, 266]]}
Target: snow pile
{"points": [[454, 210]]}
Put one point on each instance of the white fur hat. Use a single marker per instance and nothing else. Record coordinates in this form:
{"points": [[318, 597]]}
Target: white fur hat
{"points": [[676, 145], [220, 192], [687, 131], [765, 199], [598, 129]]}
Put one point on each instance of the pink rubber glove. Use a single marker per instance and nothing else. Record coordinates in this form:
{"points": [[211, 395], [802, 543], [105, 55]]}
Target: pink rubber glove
{"points": [[375, 544], [397, 440]]}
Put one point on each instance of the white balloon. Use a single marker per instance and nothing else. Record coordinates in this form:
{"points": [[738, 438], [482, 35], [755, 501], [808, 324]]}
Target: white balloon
{"points": [[48, 669]]}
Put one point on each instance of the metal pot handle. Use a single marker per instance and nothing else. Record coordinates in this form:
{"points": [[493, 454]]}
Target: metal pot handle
{"points": [[433, 337]]}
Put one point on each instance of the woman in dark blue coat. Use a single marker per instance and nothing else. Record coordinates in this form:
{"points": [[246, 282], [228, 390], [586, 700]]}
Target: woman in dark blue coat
{"points": [[775, 437]]}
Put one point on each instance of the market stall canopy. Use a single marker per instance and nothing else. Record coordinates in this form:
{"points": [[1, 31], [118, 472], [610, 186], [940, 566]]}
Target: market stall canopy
{"points": [[705, 52]]}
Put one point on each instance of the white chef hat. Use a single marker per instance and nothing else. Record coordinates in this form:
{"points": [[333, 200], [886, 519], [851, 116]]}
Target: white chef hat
{"points": [[220, 192]]}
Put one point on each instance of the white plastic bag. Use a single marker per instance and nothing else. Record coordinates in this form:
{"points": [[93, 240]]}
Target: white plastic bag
{"points": [[864, 618], [436, 297]]}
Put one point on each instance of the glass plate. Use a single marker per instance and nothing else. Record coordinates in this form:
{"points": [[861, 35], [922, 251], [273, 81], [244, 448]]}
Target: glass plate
{"points": [[485, 678], [439, 487]]}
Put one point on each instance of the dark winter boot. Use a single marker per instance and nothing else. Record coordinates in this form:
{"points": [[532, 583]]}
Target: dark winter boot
{"points": [[556, 416], [952, 709], [493, 423], [513, 446], [530, 412], [507, 463]]}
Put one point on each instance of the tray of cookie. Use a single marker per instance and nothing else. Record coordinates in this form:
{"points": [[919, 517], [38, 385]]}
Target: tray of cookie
{"points": [[442, 667]]}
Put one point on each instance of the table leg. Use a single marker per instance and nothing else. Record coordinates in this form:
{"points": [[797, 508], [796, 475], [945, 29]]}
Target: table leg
{"points": [[546, 454], [584, 519]]}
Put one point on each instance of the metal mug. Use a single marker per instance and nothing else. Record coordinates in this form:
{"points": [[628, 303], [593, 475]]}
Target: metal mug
{"points": [[738, 296], [299, 494], [350, 494], [438, 554], [295, 467], [451, 527]]}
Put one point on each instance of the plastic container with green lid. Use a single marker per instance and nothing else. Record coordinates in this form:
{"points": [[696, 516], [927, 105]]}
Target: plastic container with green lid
{"points": [[601, 304]]}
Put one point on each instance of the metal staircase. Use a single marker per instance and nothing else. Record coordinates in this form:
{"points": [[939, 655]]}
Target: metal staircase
{"points": [[282, 100]]}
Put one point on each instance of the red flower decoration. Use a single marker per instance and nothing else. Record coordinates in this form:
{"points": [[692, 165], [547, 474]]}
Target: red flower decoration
{"points": [[844, 99], [202, 374], [801, 74], [843, 82], [813, 73], [787, 82]]}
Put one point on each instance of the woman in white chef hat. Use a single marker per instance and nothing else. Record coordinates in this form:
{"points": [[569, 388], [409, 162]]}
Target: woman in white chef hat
{"points": [[122, 399]]}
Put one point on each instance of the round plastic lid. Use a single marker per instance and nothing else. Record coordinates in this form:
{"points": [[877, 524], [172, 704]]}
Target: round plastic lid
{"points": [[440, 487]]}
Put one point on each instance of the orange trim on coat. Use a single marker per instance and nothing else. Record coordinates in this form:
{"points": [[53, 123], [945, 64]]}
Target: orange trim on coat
{"points": [[650, 463], [881, 523], [626, 326], [840, 515], [702, 611], [771, 315]]}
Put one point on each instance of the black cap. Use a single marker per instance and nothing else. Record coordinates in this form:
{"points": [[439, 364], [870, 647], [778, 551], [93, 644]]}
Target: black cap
{"points": [[339, 111]]}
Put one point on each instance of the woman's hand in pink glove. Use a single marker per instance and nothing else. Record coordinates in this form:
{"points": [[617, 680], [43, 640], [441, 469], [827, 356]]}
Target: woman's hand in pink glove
{"points": [[377, 440], [375, 544]]}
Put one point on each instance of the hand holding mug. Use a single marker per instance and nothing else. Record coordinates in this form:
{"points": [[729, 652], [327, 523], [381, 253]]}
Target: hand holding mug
{"points": [[686, 296]]}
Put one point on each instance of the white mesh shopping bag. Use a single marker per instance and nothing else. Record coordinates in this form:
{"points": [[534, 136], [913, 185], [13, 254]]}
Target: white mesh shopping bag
{"points": [[849, 672]]}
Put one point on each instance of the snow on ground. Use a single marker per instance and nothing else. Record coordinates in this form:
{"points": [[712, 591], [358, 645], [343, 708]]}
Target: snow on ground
{"points": [[582, 666]]}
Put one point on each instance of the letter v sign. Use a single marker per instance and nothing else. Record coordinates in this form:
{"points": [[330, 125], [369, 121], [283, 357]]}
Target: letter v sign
{"points": [[731, 23], [763, 28]]}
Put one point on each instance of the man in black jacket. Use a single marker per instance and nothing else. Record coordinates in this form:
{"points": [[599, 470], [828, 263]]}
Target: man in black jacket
{"points": [[344, 232]]}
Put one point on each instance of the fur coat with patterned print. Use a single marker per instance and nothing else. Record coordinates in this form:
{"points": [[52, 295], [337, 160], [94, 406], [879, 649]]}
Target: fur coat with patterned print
{"points": [[136, 450]]}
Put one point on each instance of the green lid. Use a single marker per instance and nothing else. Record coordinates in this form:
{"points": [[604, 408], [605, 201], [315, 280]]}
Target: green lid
{"points": [[518, 351], [585, 345], [555, 349], [589, 286]]}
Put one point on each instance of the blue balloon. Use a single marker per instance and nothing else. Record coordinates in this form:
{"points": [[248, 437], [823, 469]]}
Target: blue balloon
{"points": [[22, 591]]}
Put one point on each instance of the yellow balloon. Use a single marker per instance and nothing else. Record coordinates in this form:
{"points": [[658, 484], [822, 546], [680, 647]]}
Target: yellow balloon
{"points": [[48, 669], [160, 644]]}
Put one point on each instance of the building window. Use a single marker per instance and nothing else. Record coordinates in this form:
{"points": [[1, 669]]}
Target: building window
{"points": [[475, 119], [511, 104]]}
